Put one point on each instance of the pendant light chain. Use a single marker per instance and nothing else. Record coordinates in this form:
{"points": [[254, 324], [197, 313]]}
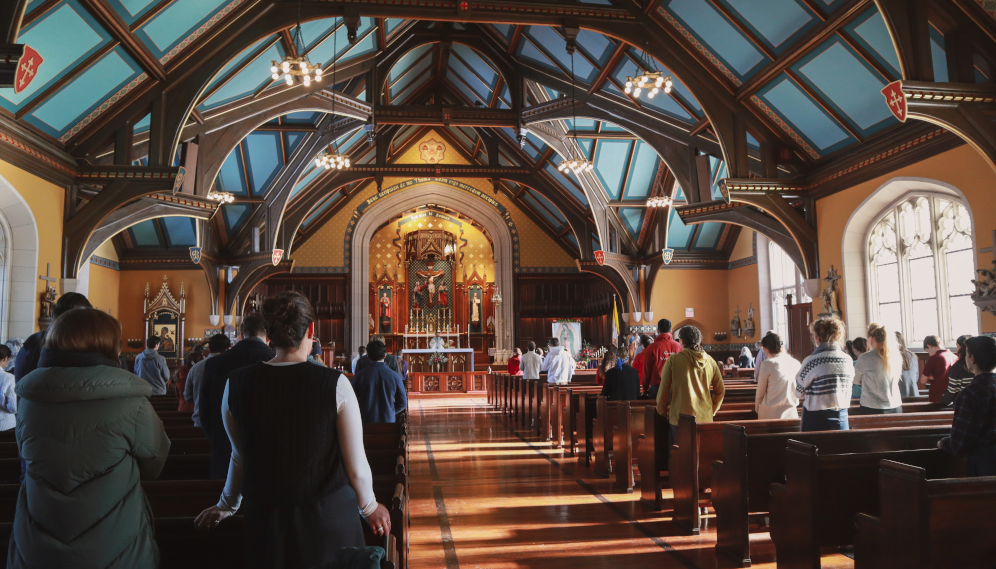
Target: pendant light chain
{"points": [[576, 164], [296, 69], [331, 157]]}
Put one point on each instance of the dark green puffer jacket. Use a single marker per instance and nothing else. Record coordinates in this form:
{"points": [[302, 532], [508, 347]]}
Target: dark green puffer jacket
{"points": [[88, 436]]}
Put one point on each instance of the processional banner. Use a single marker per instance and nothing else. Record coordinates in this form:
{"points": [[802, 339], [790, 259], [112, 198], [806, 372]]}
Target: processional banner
{"points": [[569, 334]]}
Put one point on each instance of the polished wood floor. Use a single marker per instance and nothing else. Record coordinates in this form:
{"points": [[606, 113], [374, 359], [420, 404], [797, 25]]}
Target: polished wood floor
{"points": [[489, 496]]}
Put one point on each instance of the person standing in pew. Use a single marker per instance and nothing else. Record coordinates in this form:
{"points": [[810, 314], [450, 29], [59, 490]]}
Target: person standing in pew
{"points": [[879, 371], [958, 376], [620, 384], [776, 398], [360, 352], [27, 358], [691, 383], [936, 368], [639, 360], [389, 360], [8, 399], [824, 380], [89, 435], [217, 344], [297, 452], [558, 364], [973, 430], [380, 392], [151, 366], [911, 369], [532, 362], [657, 354], [515, 363], [251, 349]]}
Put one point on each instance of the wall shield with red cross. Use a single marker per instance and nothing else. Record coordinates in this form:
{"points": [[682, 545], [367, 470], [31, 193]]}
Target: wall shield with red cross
{"points": [[894, 97], [27, 68], [600, 257], [278, 255]]}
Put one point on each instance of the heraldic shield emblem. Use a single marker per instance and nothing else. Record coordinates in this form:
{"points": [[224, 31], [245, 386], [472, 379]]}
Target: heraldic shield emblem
{"points": [[195, 254], [278, 255], [668, 255], [600, 257], [432, 151], [27, 69], [894, 97], [178, 181]]}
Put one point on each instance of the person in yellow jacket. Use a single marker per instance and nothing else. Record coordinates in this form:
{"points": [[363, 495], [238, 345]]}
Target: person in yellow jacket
{"points": [[691, 383]]}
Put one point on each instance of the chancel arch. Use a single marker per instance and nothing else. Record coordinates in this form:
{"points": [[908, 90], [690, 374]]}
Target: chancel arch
{"points": [[19, 265]]}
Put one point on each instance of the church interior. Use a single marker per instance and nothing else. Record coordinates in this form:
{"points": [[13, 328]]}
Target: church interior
{"points": [[459, 178]]}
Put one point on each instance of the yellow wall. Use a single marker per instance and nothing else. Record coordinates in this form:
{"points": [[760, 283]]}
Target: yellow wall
{"points": [[704, 290], [745, 245], [105, 283], [477, 253], [132, 293], [325, 247], [962, 168]]}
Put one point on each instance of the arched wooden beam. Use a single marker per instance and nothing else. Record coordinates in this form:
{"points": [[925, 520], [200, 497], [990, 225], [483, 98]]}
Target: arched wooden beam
{"points": [[253, 270], [615, 272]]}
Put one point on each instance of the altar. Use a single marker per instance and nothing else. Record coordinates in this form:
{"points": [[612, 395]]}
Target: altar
{"points": [[442, 370]]}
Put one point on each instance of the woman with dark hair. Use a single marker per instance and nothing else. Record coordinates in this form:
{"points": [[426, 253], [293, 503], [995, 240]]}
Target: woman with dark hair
{"points": [[911, 369], [973, 431], [88, 435], [620, 384], [776, 398], [958, 376], [297, 451], [856, 347], [824, 381], [609, 362]]}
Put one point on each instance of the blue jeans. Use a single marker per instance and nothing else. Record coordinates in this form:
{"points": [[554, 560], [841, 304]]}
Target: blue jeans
{"points": [[826, 420], [982, 462], [652, 392]]}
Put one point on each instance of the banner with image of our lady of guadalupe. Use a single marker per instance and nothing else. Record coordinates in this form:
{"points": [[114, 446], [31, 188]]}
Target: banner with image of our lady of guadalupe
{"points": [[569, 334]]}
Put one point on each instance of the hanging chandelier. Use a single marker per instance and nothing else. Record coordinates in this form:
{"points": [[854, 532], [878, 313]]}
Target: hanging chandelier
{"points": [[331, 157], [649, 80], [296, 69], [659, 201], [221, 197], [575, 163]]}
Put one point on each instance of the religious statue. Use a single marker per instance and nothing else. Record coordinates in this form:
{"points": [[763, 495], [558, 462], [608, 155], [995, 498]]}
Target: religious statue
{"points": [[443, 298], [828, 296], [736, 328], [48, 304], [475, 311], [985, 288], [428, 286], [372, 325], [385, 307], [749, 323]]}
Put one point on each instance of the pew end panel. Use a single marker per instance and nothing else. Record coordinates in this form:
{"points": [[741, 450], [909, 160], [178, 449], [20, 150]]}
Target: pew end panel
{"points": [[684, 475], [728, 477]]}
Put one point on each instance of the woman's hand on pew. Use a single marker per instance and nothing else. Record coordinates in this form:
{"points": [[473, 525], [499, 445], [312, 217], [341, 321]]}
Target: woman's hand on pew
{"points": [[380, 520], [211, 517]]}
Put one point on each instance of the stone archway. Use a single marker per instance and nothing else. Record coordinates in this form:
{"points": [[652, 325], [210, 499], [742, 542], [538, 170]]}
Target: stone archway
{"points": [[18, 289], [447, 196]]}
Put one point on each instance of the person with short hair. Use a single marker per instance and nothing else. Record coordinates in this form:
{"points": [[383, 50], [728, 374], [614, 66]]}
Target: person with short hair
{"points": [[558, 364], [691, 383], [824, 380], [360, 352], [380, 391], [656, 356], [776, 397], [26, 360], [621, 384], [315, 356], [251, 350], [151, 366], [936, 368], [8, 399], [958, 376], [217, 344], [532, 362], [911, 369], [879, 371], [514, 362], [297, 460], [761, 356], [389, 360], [638, 361], [973, 430], [399, 355], [85, 425]]}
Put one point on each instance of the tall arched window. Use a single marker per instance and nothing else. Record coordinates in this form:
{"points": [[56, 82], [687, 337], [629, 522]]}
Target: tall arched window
{"points": [[921, 267], [785, 280]]}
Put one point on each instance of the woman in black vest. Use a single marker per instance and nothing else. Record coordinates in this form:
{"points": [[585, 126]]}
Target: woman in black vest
{"points": [[297, 452]]}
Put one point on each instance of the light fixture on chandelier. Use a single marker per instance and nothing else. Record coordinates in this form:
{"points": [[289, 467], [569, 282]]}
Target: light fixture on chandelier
{"points": [[331, 157], [659, 201], [649, 80], [296, 69], [221, 197], [576, 161]]}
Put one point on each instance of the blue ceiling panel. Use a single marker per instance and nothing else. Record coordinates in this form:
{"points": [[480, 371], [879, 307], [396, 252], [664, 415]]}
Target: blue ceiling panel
{"points": [[306, 178], [245, 82], [407, 60], [642, 172], [568, 183], [180, 231], [463, 89], [870, 31], [574, 240], [938, 57], [610, 164], [482, 90], [506, 30], [366, 44], [85, 93], [549, 206], [322, 53], [848, 84], [235, 215], [63, 38], [169, 27], [582, 125], [392, 24], [302, 117], [314, 30], [238, 59], [321, 208], [414, 73], [231, 177], [265, 159], [555, 46], [678, 234], [632, 218], [482, 68], [542, 212], [145, 234], [805, 115], [715, 31], [130, 10], [708, 236], [752, 142], [529, 51], [778, 22], [291, 140], [597, 46]]}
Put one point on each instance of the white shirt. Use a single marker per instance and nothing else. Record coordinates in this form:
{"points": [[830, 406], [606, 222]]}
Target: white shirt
{"points": [[776, 397], [350, 427], [8, 403], [878, 389], [558, 365], [352, 364], [530, 363]]}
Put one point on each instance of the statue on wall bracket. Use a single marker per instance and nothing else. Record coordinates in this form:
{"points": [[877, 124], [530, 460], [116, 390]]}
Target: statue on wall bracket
{"points": [[828, 296]]}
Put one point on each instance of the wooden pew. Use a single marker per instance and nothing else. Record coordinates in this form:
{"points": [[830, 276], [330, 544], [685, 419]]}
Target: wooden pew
{"points": [[823, 493], [608, 415], [925, 522], [752, 458]]}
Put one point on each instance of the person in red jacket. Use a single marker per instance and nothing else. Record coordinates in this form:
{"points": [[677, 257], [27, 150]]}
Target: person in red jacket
{"points": [[658, 352], [638, 362]]}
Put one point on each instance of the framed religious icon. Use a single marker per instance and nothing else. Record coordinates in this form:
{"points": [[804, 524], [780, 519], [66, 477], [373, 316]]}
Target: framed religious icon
{"points": [[164, 317], [475, 308], [385, 308]]}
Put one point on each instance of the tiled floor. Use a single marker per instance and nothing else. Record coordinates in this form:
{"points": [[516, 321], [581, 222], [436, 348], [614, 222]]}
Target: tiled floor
{"points": [[487, 495]]}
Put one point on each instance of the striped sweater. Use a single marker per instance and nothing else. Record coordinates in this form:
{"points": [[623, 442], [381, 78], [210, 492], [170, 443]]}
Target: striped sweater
{"points": [[824, 381]]}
